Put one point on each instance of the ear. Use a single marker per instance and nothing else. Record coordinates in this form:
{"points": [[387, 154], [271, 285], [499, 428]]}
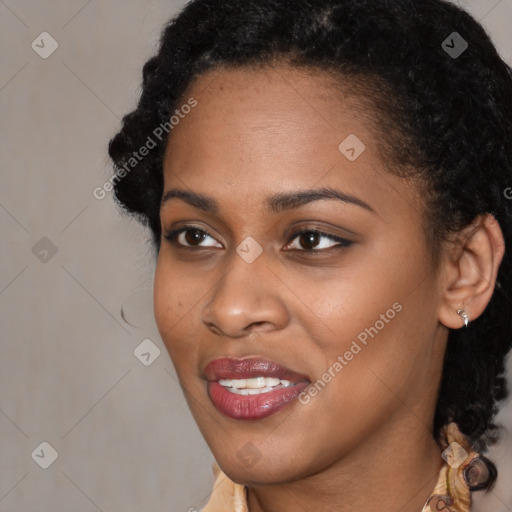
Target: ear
{"points": [[470, 266]]}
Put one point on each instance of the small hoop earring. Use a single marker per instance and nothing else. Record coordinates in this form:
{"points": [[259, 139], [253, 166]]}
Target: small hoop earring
{"points": [[464, 316]]}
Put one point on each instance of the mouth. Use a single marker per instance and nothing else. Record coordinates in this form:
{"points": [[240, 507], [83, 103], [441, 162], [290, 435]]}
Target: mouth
{"points": [[251, 389]]}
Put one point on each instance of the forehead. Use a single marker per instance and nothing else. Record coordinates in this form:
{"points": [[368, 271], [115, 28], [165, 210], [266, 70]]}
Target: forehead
{"points": [[262, 130], [278, 108]]}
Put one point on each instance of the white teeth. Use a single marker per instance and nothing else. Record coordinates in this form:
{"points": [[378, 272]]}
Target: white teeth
{"points": [[255, 383], [254, 386], [272, 381], [256, 391]]}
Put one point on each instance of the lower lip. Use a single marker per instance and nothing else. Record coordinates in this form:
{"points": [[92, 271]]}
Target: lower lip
{"points": [[252, 407]]}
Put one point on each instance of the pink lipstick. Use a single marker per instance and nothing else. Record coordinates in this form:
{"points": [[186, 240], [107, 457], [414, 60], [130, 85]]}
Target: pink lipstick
{"points": [[251, 389]]}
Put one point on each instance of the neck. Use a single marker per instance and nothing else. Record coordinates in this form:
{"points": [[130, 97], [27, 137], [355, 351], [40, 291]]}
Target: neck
{"points": [[395, 470]]}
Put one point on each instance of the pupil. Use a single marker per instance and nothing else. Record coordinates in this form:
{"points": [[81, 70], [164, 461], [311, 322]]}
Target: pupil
{"points": [[197, 238], [311, 239]]}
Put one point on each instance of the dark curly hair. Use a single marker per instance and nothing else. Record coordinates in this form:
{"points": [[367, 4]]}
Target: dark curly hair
{"points": [[452, 116]]}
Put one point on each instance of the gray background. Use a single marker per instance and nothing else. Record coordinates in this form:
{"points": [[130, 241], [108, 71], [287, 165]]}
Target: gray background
{"points": [[68, 374]]}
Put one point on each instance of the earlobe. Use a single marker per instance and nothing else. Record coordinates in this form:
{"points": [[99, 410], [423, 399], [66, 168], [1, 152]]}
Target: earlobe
{"points": [[470, 276], [454, 318]]}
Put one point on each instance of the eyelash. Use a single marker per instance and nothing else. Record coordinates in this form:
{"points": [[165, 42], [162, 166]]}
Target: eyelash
{"points": [[343, 243]]}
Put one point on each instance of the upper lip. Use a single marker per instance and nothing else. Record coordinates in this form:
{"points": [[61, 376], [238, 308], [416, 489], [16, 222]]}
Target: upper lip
{"points": [[228, 368]]}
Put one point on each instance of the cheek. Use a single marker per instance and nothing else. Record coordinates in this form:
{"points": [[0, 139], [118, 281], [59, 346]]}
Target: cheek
{"points": [[173, 301], [164, 302], [382, 360], [358, 305], [378, 325]]}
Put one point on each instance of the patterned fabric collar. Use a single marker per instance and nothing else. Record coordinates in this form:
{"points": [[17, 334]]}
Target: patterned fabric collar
{"points": [[451, 493]]}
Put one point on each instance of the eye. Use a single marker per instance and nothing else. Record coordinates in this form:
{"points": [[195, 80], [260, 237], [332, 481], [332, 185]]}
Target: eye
{"points": [[309, 239], [312, 237], [189, 236]]}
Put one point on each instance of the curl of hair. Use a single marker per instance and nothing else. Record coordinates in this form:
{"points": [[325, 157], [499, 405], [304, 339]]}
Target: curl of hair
{"points": [[447, 119]]}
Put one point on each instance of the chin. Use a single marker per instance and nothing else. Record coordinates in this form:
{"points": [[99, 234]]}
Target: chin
{"points": [[249, 467], [260, 474]]}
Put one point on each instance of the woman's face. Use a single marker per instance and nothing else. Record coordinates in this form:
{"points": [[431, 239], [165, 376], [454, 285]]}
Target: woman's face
{"points": [[348, 319]]}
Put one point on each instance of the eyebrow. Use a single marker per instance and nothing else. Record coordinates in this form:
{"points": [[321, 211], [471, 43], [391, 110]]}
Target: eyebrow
{"points": [[276, 203]]}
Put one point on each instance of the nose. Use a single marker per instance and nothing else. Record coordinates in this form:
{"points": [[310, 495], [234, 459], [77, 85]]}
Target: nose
{"points": [[245, 300]]}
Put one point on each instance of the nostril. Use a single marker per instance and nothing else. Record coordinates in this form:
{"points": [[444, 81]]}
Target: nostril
{"points": [[258, 327], [213, 328]]}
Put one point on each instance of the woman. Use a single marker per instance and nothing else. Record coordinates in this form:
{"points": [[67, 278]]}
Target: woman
{"points": [[326, 184]]}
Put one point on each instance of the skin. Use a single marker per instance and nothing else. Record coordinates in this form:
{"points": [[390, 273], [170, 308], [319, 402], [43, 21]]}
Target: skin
{"points": [[365, 441]]}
